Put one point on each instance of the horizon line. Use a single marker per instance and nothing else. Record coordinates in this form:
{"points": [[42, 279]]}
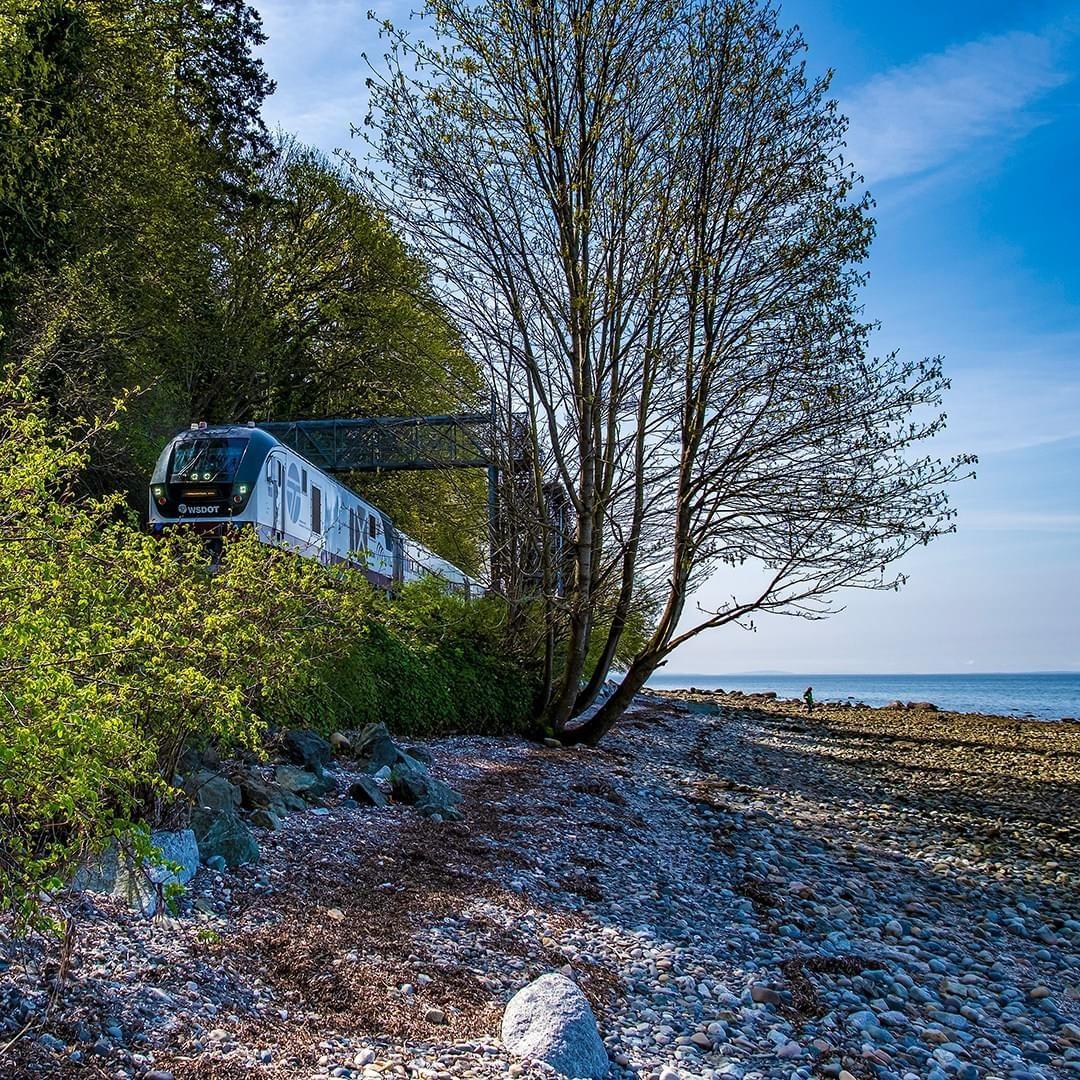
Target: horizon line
{"points": [[849, 674]]}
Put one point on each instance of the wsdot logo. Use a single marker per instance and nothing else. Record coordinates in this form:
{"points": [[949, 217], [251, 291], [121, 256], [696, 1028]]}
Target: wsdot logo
{"points": [[183, 508]]}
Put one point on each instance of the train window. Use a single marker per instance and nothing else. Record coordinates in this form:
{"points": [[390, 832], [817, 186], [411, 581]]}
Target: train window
{"points": [[373, 526], [316, 509], [206, 459], [303, 481]]}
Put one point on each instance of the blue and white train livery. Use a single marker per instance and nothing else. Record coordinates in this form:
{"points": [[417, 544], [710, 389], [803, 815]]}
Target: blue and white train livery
{"points": [[216, 478]]}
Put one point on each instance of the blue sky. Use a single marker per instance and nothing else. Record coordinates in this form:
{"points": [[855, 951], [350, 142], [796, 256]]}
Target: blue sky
{"points": [[965, 120]]}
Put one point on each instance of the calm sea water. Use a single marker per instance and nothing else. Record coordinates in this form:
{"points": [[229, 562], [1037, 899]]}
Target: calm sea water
{"points": [[1049, 696]]}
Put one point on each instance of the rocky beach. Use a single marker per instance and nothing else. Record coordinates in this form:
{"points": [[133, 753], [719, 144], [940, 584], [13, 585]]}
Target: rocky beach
{"points": [[738, 888]]}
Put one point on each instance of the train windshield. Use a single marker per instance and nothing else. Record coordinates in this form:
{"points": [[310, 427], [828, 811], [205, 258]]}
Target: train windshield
{"points": [[207, 460]]}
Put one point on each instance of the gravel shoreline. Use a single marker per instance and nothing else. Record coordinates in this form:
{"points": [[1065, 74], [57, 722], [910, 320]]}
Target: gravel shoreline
{"points": [[741, 891]]}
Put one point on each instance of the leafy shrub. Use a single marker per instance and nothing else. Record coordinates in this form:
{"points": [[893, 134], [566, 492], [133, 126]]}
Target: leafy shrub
{"points": [[423, 662], [118, 649]]}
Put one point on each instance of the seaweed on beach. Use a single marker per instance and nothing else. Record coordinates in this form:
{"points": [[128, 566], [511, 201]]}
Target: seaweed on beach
{"points": [[806, 1003]]}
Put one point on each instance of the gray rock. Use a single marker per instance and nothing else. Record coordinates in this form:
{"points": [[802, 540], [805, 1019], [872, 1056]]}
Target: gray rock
{"points": [[116, 873], [415, 786], [550, 1019], [265, 819], [366, 792], [374, 748], [209, 788], [259, 794], [221, 832], [700, 708], [308, 785], [418, 753], [307, 748]]}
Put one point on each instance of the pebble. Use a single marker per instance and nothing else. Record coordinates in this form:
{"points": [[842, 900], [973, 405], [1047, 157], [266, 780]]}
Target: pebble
{"points": [[720, 871]]}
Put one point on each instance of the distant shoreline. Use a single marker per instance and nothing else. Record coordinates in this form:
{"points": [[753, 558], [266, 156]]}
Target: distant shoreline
{"points": [[866, 674], [1033, 695], [924, 712]]}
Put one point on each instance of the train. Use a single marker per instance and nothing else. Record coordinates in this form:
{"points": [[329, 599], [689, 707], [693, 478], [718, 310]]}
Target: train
{"points": [[216, 478]]}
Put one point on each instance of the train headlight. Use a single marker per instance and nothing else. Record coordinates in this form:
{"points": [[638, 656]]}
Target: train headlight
{"points": [[159, 491], [243, 489]]}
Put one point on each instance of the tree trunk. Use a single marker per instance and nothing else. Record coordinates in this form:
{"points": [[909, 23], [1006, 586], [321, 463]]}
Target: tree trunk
{"points": [[591, 731], [618, 623]]}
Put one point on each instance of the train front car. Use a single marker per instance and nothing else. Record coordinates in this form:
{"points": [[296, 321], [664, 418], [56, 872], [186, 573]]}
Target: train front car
{"points": [[212, 479], [207, 477]]}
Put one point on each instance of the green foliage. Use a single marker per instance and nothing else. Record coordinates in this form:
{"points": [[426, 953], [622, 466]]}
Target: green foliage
{"points": [[423, 663], [42, 49], [155, 238], [325, 312], [160, 250], [125, 131], [118, 649]]}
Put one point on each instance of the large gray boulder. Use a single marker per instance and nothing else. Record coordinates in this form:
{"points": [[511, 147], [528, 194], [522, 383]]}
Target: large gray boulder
{"points": [[302, 782], [412, 784], [374, 748], [550, 1020], [209, 788], [366, 792], [307, 749], [222, 832], [259, 794], [116, 873]]}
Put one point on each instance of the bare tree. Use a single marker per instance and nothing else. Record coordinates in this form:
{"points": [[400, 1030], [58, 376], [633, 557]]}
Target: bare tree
{"points": [[641, 215]]}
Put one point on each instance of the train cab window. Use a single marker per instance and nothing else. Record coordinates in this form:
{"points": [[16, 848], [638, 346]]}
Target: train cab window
{"points": [[316, 509], [373, 526], [202, 460]]}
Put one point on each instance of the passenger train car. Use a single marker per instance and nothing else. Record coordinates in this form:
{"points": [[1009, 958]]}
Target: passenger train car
{"points": [[217, 478]]}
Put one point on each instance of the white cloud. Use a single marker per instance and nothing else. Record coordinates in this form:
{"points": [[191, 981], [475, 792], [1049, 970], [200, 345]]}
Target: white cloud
{"points": [[915, 118]]}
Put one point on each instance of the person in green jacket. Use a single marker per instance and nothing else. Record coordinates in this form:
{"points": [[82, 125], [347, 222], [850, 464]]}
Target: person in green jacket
{"points": [[808, 697]]}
